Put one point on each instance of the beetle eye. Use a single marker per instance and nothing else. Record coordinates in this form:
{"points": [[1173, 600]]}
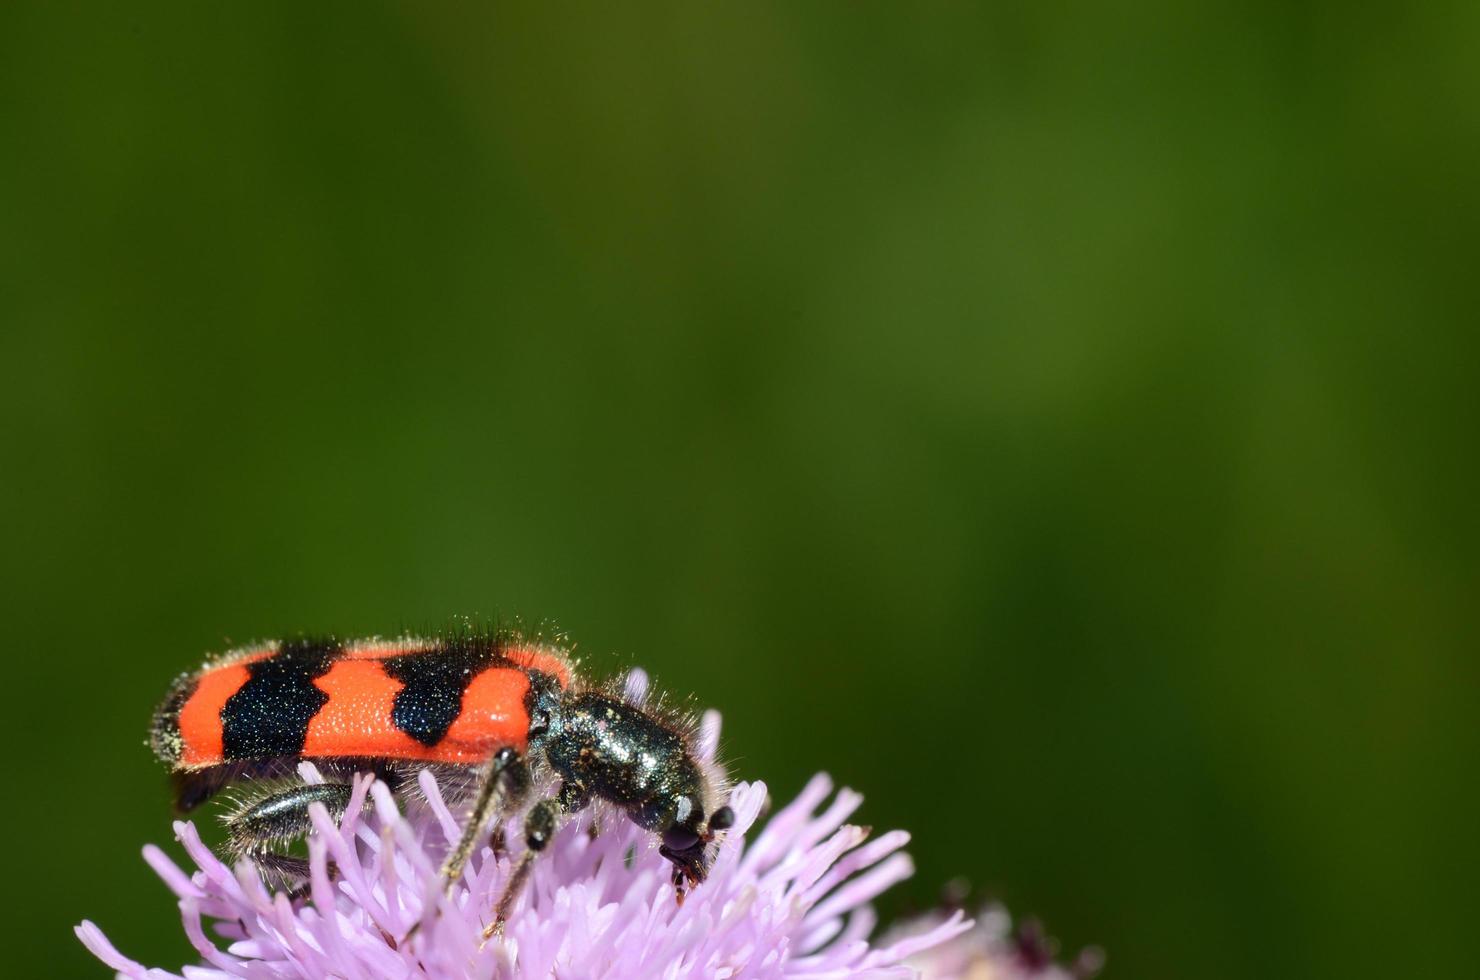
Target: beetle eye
{"points": [[679, 838], [723, 819]]}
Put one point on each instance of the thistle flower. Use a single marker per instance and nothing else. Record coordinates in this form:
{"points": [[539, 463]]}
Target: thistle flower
{"points": [[992, 949], [792, 901]]}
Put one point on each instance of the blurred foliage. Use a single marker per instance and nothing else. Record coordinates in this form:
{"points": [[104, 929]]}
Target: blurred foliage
{"points": [[1056, 420]]}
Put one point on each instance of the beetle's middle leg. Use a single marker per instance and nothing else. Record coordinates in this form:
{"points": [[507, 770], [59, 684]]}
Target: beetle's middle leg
{"points": [[502, 786]]}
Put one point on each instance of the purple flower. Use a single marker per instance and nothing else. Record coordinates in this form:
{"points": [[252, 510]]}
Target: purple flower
{"points": [[789, 901], [993, 950]]}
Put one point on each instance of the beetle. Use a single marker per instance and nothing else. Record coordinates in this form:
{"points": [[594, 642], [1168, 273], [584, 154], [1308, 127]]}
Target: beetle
{"points": [[494, 714]]}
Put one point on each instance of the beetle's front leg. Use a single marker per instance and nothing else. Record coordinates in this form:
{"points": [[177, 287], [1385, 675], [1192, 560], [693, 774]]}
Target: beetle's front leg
{"points": [[540, 826]]}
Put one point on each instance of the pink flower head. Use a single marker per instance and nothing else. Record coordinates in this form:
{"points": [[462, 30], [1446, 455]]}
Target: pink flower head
{"points": [[992, 949], [786, 899]]}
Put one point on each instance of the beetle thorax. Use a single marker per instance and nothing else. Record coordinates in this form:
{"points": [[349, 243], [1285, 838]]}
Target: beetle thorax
{"points": [[602, 746]]}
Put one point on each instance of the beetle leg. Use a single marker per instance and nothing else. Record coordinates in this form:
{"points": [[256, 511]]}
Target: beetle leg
{"points": [[291, 873], [540, 826], [281, 817], [503, 785]]}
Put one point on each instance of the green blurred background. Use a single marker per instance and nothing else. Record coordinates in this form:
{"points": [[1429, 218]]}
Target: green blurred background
{"points": [[1056, 420]]}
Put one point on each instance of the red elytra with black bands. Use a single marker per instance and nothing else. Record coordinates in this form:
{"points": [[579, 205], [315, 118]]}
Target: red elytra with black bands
{"points": [[450, 702]]}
